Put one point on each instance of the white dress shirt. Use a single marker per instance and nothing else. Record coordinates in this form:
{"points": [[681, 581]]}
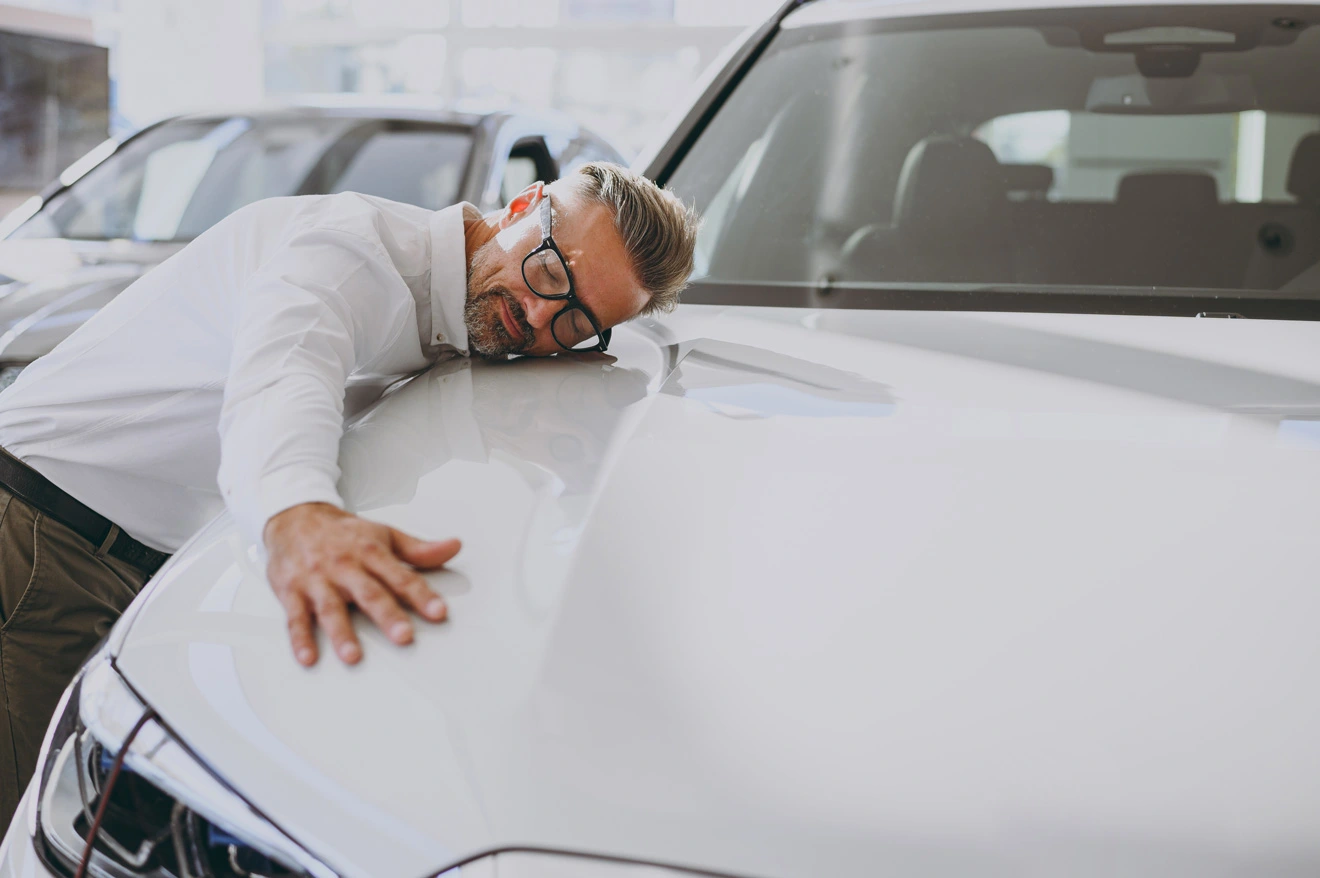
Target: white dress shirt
{"points": [[220, 377]]}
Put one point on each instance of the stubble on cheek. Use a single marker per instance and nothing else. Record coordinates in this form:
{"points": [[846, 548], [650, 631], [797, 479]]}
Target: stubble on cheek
{"points": [[487, 334]]}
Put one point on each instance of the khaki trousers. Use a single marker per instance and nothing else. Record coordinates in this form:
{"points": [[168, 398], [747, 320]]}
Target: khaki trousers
{"points": [[57, 601]]}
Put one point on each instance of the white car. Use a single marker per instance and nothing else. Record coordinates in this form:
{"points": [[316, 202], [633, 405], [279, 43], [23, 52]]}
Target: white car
{"points": [[944, 539]]}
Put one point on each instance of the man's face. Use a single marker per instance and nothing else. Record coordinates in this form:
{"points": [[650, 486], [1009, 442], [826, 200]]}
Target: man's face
{"points": [[504, 316]]}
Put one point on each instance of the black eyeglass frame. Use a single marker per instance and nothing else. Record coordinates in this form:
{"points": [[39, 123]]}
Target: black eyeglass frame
{"points": [[574, 303]]}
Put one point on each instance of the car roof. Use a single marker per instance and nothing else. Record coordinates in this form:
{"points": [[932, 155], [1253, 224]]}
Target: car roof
{"points": [[833, 11], [349, 111], [404, 108]]}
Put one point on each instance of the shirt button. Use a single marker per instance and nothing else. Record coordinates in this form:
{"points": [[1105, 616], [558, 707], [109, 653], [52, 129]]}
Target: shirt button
{"points": [[440, 336]]}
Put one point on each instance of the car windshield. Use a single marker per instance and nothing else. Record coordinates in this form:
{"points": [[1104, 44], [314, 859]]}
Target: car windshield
{"points": [[178, 179], [1148, 150]]}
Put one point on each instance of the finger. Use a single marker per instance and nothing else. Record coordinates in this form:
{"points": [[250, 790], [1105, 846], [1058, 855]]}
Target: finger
{"points": [[424, 554], [301, 635], [409, 586], [332, 615], [374, 599]]}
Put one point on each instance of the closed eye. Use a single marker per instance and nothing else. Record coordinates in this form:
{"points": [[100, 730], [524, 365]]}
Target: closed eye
{"points": [[573, 327], [581, 326], [548, 263]]}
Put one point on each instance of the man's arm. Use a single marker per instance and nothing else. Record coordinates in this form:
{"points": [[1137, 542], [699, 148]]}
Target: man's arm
{"points": [[325, 302]]}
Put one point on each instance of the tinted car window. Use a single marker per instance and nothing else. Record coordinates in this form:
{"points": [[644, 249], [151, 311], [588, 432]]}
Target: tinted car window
{"points": [[519, 173], [585, 150], [1078, 147], [422, 166], [176, 180]]}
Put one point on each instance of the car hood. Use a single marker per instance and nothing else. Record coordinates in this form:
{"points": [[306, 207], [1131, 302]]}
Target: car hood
{"points": [[50, 286], [801, 593]]}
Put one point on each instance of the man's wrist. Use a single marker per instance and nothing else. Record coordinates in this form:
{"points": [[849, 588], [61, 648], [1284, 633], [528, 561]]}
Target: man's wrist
{"points": [[297, 512]]}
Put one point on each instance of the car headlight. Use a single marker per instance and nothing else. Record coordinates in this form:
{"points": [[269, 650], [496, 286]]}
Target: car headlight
{"points": [[165, 814]]}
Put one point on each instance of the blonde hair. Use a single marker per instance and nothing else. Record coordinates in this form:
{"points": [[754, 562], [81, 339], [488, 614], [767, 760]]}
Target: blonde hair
{"points": [[659, 231]]}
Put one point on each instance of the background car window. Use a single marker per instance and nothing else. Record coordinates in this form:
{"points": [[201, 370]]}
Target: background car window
{"points": [[416, 165], [104, 204], [1056, 147], [265, 159], [519, 173], [176, 180], [584, 150], [529, 161], [173, 182]]}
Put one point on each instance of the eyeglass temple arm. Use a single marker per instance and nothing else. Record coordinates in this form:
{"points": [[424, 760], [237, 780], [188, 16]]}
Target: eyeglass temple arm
{"points": [[546, 217]]}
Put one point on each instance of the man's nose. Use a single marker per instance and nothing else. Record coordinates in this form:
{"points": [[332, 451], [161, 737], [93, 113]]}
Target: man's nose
{"points": [[540, 311]]}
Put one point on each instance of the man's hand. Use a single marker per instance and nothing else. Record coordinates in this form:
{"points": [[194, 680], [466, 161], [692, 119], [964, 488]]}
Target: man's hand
{"points": [[322, 559]]}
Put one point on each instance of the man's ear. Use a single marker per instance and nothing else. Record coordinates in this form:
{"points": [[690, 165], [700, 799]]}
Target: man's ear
{"points": [[522, 204]]}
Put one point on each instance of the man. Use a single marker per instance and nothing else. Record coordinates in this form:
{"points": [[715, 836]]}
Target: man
{"points": [[231, 364]]}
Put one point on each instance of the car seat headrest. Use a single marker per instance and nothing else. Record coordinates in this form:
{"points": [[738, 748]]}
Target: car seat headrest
{"points": [[1032, 180], [948, 181], [1304, 170], [1182, 190]]}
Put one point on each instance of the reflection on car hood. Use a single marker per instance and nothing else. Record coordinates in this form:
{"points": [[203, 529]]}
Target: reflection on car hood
{"points": [[51, 286], [793, 593]]}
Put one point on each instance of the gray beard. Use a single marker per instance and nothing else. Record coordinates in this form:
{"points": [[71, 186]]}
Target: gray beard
{"points": [[487, 334], [483, 338]]}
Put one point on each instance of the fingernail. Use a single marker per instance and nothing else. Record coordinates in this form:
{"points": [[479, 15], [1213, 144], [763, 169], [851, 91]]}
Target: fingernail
{"points": [[401, 633], [436, 608], [306, 656], [350, 652]]}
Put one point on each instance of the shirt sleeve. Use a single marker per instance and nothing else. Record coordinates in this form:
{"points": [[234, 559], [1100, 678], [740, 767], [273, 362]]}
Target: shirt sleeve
{"points": [[326, 302]]}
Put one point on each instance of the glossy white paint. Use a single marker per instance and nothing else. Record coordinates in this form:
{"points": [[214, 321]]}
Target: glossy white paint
{"points": [[17, 858], [803, 593]]}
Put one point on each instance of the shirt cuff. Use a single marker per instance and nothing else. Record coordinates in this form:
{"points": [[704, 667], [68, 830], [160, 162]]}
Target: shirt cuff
{"points": [[290, 487]]}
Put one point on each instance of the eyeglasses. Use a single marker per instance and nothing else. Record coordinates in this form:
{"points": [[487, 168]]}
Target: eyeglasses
{"points": [[546, 272]]}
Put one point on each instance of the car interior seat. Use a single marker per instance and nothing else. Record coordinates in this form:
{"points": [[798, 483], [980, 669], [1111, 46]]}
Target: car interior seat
{"points": [[1287, 241], [949, 220], [1166, 231], [1027, 182], [1167, 190]]}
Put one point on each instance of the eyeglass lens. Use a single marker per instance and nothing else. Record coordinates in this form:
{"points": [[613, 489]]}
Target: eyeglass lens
{"points": [[545, 274], [573, 330]]}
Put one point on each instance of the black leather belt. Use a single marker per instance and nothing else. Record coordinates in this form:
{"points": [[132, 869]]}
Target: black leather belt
{"points": [[46, 497]]}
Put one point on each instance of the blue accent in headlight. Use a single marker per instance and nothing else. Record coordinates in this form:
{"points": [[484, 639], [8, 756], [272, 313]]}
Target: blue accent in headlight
{"points": [[106, 761], [243, 855], [217, 837]]}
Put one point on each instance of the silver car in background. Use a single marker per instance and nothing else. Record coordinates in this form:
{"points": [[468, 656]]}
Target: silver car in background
{"points": [[128, 206]]}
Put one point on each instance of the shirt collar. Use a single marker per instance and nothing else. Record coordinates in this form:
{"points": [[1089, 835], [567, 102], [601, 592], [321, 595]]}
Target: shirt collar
{"points": [[449, 272]]}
